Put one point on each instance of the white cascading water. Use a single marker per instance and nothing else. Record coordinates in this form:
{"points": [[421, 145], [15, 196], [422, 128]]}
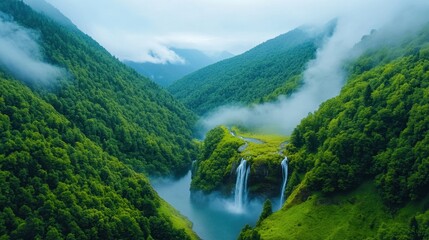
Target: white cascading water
{"points": [[193, 166], [284, 172], [240, 195]]}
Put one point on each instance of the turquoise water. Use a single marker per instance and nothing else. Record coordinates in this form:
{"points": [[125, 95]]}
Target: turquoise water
{"points": [[213, 217]]}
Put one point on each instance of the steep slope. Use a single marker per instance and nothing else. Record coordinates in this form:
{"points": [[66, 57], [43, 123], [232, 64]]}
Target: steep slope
{"points": [[165, 74], [126, 114], [253, 75], [56, 183], [362, 159]]}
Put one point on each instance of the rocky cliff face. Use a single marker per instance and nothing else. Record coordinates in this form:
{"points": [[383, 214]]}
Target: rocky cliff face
{"points": [[265, 179]]}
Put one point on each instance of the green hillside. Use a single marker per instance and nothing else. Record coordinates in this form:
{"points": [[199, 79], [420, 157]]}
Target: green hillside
{"points": [[126, 114], [359, 214], [260, 74], [56, 183], [362, 159]]}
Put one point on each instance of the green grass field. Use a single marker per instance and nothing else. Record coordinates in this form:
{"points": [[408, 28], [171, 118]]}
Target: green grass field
{"points": [[269, 150], [359, 214]]}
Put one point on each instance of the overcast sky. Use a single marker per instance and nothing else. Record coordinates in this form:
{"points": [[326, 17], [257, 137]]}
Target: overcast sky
{"points": [[143, 30]]}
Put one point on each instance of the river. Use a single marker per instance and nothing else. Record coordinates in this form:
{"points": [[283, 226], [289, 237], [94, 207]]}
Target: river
{"points": [[213, 217]]}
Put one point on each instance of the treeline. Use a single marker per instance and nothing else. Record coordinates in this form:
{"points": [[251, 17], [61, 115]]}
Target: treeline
{"points": [[261, 74], [58, 184], [129, 116]]}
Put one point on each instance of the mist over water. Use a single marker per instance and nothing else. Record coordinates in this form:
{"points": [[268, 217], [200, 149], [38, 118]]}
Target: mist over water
{"points": [[213, 217]]}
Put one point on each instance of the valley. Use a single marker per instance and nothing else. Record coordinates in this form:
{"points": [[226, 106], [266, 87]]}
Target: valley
{"points": [[222, 213], [321, 132]]}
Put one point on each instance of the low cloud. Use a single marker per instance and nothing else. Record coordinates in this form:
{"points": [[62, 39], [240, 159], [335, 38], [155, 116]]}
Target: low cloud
{"points": [[207, 25], [162, 55], [21, 54], [323, 78], [137, 47]]}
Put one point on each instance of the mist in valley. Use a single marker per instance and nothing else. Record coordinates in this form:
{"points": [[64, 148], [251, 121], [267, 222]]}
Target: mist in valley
{"points": [[326, 74]]}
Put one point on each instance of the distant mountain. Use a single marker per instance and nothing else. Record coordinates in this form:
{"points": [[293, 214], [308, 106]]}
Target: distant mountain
{"points": [[166, 74], [260, 74]]}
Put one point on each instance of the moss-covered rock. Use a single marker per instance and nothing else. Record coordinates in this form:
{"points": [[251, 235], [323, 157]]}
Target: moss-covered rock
{"points": [[221, 152]]}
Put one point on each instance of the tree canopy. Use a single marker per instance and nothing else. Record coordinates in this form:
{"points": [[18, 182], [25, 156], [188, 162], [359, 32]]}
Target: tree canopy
{"points": [[58, 184]]}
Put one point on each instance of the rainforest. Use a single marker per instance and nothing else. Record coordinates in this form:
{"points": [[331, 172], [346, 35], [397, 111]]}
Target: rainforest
{"points": [[176, 123]]}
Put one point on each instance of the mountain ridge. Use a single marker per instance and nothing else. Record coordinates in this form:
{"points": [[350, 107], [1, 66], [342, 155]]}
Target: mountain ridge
{"points": [[50, 11]]}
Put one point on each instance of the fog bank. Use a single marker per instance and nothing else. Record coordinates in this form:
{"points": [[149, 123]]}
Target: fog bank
{"points": [[324, 76], [21, 54]]}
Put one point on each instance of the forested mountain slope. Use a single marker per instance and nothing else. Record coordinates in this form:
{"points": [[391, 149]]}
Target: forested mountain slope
{"points": [[129, 116], [260, 74], [56, 183], [58, 180], [360, 164]]}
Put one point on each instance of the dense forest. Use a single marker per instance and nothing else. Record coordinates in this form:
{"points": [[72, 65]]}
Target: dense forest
{"points": [[129, 116], [58, 184], [367, 146], [76, 150], [261, 74], [377, 127], [70, 146]]}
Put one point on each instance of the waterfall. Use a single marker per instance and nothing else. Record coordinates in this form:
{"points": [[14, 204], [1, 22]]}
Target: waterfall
{"points": [[193, 166], [240, 195], [284, 173]]}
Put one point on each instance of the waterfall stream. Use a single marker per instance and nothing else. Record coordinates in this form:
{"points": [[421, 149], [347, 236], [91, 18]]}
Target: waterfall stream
{"points": [[284, 165], [240, 194]]}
